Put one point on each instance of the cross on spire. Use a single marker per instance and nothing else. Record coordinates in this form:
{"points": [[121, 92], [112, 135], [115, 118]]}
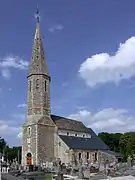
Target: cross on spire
{"points": [[37, 15]]}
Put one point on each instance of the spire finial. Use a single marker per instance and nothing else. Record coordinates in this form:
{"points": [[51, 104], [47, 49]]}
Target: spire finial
{"points": [[37, 14]]}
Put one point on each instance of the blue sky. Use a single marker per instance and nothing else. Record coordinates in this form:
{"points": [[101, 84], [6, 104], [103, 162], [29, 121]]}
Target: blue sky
{"points": [[93, 76]]}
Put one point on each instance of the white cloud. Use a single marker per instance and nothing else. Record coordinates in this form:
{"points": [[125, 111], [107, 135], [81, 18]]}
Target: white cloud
{"points": [[109, 120], [13, 127], [11, 62], [58, 27], [6, 128], [103, 68], [19, 135], [22, 105], [6, 73]]}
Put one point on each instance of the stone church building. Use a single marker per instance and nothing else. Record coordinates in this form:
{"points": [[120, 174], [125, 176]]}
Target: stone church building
{"points": [[48, 137]]}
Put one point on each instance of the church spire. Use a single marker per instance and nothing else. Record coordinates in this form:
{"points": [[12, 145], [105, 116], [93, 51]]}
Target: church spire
{"points": [[38, 64]]}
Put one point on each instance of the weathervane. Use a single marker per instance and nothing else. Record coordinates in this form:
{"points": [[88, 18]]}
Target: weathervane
{"points": [[37, 14]]}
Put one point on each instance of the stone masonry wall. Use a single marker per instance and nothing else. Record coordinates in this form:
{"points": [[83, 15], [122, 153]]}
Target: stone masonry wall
{"points": [[84, 155], [45, 143], [38, 95], [106, 157], [29, 144]]}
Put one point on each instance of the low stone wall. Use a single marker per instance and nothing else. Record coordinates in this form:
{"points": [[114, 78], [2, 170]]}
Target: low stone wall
{"points": [[7, 176]]}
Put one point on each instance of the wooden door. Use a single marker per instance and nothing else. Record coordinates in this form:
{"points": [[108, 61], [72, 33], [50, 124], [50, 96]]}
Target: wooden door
{"points": [[29, 159]]}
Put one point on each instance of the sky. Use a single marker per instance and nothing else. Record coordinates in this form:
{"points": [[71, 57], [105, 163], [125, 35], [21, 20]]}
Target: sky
{"points": [[90, 52]]}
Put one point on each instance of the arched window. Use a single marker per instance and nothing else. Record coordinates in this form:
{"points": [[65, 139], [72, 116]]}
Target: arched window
{"points": [[87, 155], [29, 131], [29, 155], [37, 83], [79, 156], [30, 86], [29, 159], [96, 156], [45, 86]]}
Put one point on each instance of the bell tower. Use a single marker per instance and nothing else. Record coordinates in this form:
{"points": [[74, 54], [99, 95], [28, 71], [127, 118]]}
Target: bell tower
{"points": [[38, 129]]}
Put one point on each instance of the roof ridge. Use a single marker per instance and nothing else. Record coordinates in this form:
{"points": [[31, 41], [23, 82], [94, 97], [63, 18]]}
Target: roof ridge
{"points": [[66, 118]]}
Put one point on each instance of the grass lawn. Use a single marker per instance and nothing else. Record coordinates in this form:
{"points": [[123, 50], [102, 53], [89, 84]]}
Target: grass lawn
{"points": [[48, 177]]}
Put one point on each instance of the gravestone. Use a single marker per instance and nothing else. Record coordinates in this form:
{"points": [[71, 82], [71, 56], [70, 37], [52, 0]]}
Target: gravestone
{"points": [[129, 161], [60, 172], [81, 174], [60, 176], [86, 173]]}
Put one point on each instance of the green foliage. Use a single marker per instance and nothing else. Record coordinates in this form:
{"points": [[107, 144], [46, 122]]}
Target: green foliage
{"points": [[10, 153], [127, 144], [111, 140], [3, 144], [123, 143], [48, 177]]}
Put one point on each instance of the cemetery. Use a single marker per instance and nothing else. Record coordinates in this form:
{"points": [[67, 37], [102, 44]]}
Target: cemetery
{"points": [[58, 171], [61, 148]]}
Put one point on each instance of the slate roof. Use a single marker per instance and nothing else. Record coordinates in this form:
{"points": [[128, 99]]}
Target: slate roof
{"points": [[69, 124], [78, 142], [93, 143], [112, 153]]}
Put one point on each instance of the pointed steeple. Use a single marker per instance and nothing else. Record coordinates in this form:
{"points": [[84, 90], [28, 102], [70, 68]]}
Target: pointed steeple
{"points": [[38, 64]]}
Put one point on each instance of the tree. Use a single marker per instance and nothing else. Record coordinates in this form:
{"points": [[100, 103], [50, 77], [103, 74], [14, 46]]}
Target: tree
{"points": [[104, 136], [13, 153], [3, 144], [10, 153], [111, 140], [127, 144], [115, 138]]}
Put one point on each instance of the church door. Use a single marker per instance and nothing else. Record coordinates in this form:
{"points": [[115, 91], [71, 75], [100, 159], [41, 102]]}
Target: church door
{"points": [[29, 159]]}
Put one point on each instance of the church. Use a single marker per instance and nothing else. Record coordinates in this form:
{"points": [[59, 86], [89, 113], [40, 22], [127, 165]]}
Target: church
{"points": [[48, 137]]}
